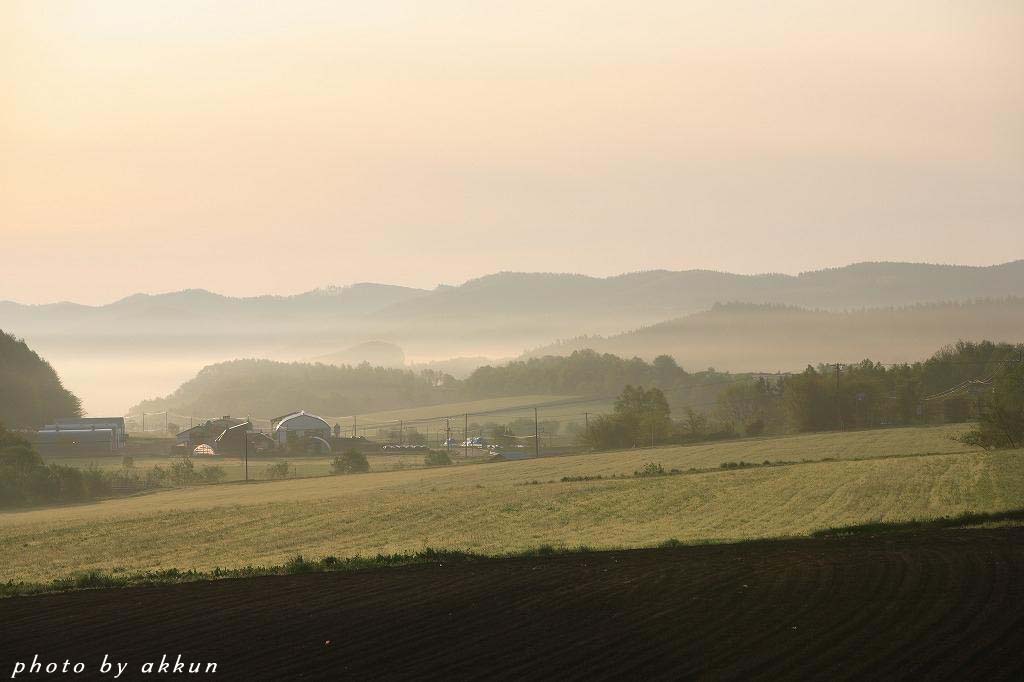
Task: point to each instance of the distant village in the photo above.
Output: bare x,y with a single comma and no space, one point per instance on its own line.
297,433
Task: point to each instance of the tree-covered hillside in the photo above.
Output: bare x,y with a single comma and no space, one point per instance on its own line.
263,388
31,393
869,393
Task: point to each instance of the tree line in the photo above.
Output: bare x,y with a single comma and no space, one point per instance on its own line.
868,394
829,397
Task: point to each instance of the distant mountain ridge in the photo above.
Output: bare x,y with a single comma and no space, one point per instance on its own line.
632,298
929,280
354,300
493,316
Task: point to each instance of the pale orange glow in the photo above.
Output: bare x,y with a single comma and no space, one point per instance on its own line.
276,147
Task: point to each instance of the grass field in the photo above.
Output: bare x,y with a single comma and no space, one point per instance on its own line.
888,475
234,468
513,404
430,420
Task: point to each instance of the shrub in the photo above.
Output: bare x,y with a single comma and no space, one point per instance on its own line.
213,474
278,470
350,462
576,479
650,469
437,458
298,564
157,477
128,462
127,480
182,472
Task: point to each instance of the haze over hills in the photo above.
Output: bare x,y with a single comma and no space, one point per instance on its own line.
742,337
660,292
506,307
375,353
145,345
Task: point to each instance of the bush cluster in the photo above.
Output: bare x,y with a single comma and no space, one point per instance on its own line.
437,458
350,462
278,470
650,469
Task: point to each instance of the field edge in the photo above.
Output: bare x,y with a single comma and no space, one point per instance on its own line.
99,579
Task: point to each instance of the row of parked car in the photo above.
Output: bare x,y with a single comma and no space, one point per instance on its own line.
475,442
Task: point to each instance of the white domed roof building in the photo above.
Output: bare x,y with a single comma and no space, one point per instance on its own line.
291,428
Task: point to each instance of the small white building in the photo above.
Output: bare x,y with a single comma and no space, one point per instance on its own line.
292,428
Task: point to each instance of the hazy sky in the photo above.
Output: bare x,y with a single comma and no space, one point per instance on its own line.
252,147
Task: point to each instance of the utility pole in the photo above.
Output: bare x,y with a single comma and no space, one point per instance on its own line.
355,432
465,435
165,421
245,449
586,423
143,422
401,432
448,433
839,410
536,434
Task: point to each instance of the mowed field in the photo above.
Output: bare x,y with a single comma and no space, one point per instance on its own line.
887,475
234,469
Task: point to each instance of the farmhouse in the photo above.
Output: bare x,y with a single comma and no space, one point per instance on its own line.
294,427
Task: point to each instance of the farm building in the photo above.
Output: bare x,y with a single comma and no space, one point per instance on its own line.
294,427
50,439
230,442
205,433
81,434
115,424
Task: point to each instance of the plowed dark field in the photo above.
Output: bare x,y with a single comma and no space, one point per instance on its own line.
932,605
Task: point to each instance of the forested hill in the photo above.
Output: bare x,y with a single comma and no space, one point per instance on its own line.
263,388
746,337
31,393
